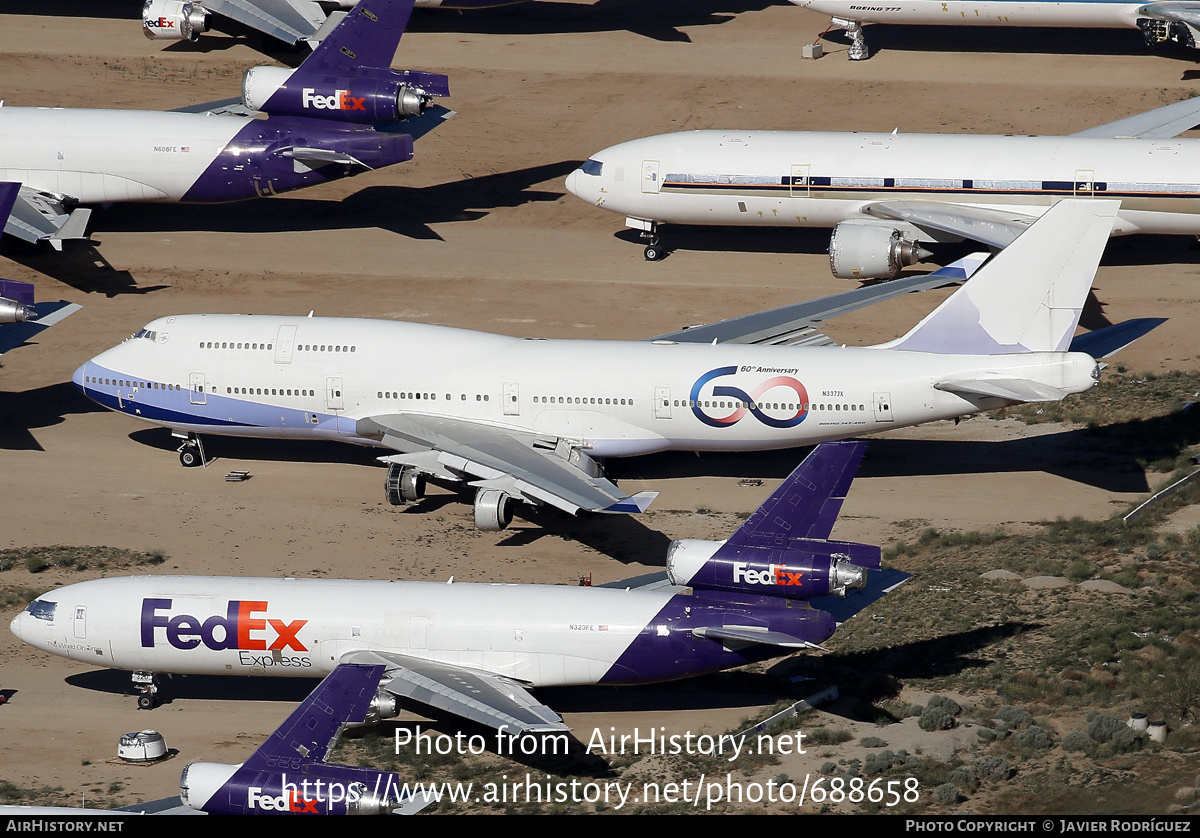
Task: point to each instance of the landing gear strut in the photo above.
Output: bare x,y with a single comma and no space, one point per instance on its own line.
858,42
191,453
649,234
146,683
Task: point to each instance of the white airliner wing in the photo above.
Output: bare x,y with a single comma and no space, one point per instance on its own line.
36,216
536,469
288,20
1161,123
479,696
794,325
995,228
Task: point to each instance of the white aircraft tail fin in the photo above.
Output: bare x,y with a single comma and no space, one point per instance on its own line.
1029,297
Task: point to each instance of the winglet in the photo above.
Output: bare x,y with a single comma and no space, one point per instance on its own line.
634,504
1030,296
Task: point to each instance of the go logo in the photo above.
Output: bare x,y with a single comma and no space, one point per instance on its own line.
751,399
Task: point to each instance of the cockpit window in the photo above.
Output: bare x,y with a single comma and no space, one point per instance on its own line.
41,609
145,334
592,167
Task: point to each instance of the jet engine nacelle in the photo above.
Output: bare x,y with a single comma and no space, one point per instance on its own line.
373,95
317,789
806,568
867,249
173,20
493,510
13,312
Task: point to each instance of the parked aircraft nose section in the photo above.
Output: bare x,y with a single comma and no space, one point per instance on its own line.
586,182
79,377
33,625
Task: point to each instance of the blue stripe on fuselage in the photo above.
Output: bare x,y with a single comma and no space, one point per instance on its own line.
171,407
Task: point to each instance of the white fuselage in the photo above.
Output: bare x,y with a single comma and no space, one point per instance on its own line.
299,377
101,156
811,179
1083,14
540,635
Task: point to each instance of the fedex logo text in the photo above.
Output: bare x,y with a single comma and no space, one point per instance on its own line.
775,574
162,23
238,629
304,796
341,100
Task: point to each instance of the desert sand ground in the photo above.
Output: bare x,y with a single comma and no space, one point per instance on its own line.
477,231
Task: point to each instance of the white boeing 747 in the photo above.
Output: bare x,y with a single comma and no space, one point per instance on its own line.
531,419
1165,20
885,194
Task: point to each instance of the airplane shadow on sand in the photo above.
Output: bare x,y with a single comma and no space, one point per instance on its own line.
1019,40
41,408
862,677
660,21
403,210
1107,458
1121,251
81,266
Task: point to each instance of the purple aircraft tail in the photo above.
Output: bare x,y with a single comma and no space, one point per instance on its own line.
807,504
349,77
368,37
311,731
288,774
783,549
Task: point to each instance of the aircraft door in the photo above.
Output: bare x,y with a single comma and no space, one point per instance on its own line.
418,632
333,394
662,402
651,181
285,342
512,398
883,407
80,622
1085,183
196,388
798,183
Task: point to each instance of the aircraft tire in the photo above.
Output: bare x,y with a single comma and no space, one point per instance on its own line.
653,253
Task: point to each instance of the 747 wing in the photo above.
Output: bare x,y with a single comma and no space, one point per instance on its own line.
510,464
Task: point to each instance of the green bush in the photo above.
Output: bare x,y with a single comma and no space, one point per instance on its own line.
1014,717
945,703
1102,728
935,718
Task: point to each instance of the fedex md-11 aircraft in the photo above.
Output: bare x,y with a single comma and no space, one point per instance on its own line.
475,649
1165,20
886,194
341,112
531,420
